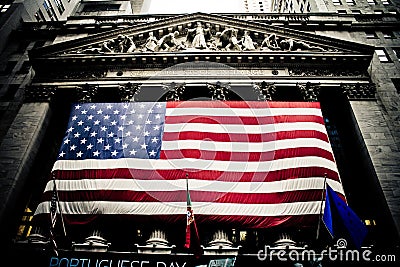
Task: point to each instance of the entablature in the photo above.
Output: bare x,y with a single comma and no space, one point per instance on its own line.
262,90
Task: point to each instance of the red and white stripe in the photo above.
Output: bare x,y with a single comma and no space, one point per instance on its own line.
254,164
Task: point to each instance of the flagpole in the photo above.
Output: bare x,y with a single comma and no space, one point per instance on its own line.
320,209
59,207
187,184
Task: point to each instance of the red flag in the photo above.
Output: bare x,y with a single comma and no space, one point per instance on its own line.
191,226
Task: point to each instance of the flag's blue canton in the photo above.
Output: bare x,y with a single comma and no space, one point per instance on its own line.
111,131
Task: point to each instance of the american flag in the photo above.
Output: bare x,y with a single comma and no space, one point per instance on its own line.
251,164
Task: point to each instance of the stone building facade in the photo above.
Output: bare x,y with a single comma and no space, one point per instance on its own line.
343,54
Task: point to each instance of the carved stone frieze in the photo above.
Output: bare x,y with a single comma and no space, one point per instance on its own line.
201,37
309,91
89,74
265,90
86,92
39,93
219,91
128,91
174,91
326,72
359,91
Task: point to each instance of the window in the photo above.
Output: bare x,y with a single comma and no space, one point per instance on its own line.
383,57
50,10
24,68
8,68
11,91
396,82
396,51
101,7
40,16
350,2
378,12
371,35
371,2
336,2
59,6
385,2
356,11
38,44
4,8
388,35
26,225
341,11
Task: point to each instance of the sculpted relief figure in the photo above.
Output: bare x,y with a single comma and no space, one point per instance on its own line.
228,39
121,44
198,36
169,42
151,43
247,42
292,45
270,42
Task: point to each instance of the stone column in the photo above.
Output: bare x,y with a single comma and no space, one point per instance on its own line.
18,152
379,143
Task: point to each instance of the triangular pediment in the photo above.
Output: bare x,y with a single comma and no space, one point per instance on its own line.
200,33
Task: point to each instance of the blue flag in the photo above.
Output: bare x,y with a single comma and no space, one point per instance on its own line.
341,221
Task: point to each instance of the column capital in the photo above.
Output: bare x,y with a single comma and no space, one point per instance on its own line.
219,90
265,90
309,91
86,92
128,91
174,91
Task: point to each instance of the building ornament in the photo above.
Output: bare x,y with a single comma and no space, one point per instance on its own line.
78,75
174,91
86,92
309,91
128,92
300,71
201,38
359,91
264,90
219,91
39,93
95,242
